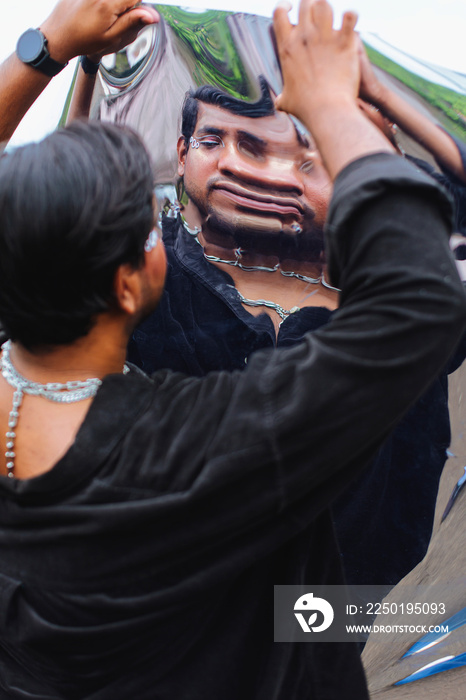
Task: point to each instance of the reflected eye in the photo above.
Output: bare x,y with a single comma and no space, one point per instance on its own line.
211,141
250,150
307,167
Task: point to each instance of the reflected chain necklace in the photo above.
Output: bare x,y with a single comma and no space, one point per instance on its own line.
194,232
69,392
283,313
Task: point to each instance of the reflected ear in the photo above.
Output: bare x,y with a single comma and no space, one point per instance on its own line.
182,149
127,288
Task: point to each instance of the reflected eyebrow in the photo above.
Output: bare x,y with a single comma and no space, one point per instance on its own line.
252,137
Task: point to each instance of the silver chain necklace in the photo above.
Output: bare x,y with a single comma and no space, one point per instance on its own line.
283,313
194,232
69,392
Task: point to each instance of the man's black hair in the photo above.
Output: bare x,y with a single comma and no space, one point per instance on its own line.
263,107
72,209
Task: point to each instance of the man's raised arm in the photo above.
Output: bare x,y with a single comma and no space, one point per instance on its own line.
74,28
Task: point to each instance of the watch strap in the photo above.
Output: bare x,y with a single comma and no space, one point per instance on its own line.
47,65
88,66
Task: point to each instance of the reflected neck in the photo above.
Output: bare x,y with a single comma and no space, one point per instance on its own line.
257,252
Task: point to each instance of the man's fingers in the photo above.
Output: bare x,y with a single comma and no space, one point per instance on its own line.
131,20
148,15
281,23
121,6
322,16
348,23
305,13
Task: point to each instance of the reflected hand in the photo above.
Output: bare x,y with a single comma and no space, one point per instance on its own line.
319,64
94,27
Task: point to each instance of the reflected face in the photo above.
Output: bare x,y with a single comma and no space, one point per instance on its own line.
253,175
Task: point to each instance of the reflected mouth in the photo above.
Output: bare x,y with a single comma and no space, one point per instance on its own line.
258,201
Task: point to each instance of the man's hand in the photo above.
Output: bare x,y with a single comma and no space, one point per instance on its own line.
94,27
318,63
321,75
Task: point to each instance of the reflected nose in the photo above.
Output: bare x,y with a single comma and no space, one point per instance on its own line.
276,174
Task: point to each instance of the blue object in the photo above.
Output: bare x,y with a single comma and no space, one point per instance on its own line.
439,666
431,638
459,485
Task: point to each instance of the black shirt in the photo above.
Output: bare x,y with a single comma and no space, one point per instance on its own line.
143,564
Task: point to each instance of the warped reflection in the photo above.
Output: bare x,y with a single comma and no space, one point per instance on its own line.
189,48
235,51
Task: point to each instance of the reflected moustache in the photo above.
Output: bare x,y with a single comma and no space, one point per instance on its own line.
258,200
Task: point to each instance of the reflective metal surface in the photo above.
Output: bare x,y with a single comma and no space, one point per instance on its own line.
186,49
145,84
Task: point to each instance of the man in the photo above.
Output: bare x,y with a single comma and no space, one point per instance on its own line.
140,560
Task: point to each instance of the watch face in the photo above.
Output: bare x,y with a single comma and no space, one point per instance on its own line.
30,45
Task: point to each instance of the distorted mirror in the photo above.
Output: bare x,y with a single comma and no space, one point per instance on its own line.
243,196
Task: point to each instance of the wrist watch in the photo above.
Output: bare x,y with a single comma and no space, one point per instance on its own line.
88,66
32,50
